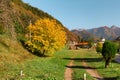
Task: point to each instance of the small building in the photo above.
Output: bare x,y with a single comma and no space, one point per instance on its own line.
71,44
82,45
102,40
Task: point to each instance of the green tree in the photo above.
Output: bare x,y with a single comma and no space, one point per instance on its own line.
45,37
108,52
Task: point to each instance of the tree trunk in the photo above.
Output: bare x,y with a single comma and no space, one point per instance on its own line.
43,53
107,62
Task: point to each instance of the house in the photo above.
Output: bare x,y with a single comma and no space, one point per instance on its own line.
102,40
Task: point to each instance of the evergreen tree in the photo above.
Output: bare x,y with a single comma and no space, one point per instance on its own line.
108,52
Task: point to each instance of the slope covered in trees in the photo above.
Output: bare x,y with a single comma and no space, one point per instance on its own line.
15,16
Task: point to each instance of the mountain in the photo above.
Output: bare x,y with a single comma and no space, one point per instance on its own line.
109,33
85,35
116,30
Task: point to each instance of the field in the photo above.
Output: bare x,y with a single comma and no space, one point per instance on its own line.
96,62
53,68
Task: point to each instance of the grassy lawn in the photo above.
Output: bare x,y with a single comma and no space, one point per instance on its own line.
38,68
53,68
112,72
95,60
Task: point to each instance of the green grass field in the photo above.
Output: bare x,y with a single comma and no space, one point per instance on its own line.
95,60
53,68
37,68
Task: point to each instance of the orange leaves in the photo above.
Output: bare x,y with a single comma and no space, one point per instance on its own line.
47,36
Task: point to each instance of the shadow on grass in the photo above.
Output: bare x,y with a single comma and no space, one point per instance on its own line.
89,60
36,52
40,77
81,67
109,78
77,79
85,59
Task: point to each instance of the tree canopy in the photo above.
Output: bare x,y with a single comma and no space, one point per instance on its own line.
109,50
45,37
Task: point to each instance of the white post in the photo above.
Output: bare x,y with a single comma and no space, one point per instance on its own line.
21,73
85,76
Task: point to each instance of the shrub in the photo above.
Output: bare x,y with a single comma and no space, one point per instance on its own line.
108,52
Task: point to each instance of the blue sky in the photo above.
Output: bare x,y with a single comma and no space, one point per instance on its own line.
81,13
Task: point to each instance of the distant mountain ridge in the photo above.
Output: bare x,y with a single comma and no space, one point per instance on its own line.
109,33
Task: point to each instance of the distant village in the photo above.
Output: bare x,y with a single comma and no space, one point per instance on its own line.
74,45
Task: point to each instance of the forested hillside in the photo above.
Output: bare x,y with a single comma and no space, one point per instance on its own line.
15,17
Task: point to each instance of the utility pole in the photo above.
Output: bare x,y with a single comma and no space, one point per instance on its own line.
30,30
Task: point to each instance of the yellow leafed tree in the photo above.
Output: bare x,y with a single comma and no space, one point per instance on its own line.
45,37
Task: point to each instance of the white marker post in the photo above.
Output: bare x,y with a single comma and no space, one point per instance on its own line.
85,76
21,73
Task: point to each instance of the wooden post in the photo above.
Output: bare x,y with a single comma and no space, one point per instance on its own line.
30,31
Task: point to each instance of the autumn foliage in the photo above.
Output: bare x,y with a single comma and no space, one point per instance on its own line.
45,37
99,47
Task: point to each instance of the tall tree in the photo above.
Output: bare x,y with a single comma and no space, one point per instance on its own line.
46,36
109,50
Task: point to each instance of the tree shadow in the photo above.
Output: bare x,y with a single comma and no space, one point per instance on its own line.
85,59
40,76
77,79
113,61
80,67
36,53
109,78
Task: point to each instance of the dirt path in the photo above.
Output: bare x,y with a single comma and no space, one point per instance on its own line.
69,71
92,72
